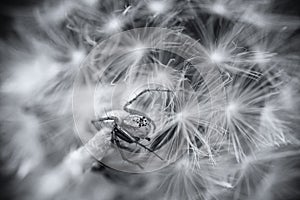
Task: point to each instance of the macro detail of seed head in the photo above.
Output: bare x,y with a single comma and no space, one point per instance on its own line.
149,99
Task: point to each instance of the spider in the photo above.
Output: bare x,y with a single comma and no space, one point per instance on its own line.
131,126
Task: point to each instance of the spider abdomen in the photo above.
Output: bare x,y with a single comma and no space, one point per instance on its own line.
138,125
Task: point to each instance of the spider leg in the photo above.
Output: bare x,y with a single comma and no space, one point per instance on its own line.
150,150
94,122
117,142
142,93
132,111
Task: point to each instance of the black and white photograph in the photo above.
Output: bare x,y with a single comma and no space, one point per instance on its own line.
149,100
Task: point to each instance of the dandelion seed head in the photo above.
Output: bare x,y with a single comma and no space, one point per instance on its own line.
138,50
90,2
223,114
77,57
187,114
262,57
158,7
288,99
267,111
219,9
232,109
113,25
163,77
57,13
139,46
21,81
180,116
183,165
218,57
255,18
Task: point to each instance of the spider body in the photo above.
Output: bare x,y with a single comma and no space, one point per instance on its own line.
129,126
138,126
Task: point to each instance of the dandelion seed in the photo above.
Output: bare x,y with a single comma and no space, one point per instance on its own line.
77,57
272,127
158,7
22,81
219,9
138,50
113,25
232,109
90,2
218,57
262,57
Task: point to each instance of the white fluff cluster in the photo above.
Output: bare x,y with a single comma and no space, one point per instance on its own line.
230,121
